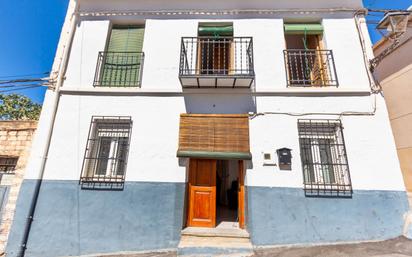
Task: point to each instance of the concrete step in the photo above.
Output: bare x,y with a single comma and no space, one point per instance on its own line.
213,246
215,232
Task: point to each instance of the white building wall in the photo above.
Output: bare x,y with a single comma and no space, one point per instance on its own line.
342,38
214,5
89,39
155,117
370,148
162,42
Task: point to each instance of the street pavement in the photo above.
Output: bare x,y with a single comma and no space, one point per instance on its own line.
398,247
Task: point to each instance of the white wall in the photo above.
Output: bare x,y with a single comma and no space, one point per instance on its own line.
370,148
342,38
152,157
162,41
218,5
369,144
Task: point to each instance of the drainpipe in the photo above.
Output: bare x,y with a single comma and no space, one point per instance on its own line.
55,104
367,55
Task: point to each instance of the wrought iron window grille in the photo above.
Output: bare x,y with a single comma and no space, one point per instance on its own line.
8,164
324,160
119,69
105,158
310,68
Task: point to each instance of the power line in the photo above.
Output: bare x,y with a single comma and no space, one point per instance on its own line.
22,85
388,10
22,88
25,75
22,80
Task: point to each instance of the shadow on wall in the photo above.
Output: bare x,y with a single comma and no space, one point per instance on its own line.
241,101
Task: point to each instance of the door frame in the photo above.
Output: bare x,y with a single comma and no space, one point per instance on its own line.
241,213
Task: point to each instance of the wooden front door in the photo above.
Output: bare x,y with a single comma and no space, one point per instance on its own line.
202,193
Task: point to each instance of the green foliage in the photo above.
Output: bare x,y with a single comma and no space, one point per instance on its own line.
18,107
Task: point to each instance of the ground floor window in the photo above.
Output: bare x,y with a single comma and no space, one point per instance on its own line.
106,152
8,164
324,161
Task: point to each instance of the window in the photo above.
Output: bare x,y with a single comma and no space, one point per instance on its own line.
106,152
215,48
308,62
324,161
121,64
8,164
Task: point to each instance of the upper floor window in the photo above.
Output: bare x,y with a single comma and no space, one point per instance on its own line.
308,63
215,58
121,64
215,48
8,164
324,161
106,152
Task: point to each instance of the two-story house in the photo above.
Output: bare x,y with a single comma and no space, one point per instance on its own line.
175,118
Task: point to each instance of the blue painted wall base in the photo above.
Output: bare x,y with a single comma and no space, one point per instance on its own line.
286,216
70,221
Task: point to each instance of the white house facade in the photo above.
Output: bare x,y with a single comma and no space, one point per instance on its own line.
174,114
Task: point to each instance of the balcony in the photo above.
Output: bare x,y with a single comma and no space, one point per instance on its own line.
310,68
216,62
119,69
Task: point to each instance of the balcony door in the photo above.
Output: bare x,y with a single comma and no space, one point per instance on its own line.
123,57
215,49
307,63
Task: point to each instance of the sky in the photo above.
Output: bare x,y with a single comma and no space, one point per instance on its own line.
30,31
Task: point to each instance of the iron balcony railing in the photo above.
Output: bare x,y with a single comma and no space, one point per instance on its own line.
119,69
217,58
310,68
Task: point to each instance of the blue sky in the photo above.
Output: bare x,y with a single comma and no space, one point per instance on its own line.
31,30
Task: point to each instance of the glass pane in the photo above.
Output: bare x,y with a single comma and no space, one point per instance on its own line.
326,161
121,156
103,155
308,169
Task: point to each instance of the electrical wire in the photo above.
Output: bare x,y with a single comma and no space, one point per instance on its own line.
22,85
22,81
25,75
22,88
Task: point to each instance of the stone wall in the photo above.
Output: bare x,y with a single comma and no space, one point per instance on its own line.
15,141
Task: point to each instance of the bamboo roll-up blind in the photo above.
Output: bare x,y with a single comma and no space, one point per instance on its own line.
214,133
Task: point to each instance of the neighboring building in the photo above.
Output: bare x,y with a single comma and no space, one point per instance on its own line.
15,142
395,75
254,115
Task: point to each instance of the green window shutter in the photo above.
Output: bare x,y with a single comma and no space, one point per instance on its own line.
123,60
126,39
308,28
215,30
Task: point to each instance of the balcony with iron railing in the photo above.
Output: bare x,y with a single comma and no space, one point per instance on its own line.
216,62
119,69
310,68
